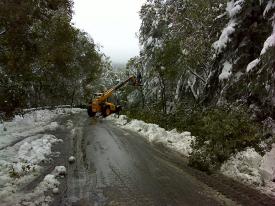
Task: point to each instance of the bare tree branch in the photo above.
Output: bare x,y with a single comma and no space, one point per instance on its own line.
197,75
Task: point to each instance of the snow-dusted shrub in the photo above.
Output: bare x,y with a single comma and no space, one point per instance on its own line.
221,132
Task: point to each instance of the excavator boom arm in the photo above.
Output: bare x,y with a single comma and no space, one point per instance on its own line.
109,92
100,105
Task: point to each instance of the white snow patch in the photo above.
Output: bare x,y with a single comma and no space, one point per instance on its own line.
270,42
71,159
251,168
268,166
50,181
60,171
252,64
233,8
52,126
36,151
180,142
69,124
225,36
149,41
270,5
24,146
55,190
31,123
19,164
226,72
244,166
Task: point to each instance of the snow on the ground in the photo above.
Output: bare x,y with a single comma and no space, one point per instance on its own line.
36,151
30,124
24,144
247,166
244,166
250,167
180,142
40,195
60,170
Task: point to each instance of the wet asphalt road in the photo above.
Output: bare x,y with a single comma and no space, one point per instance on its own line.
118,167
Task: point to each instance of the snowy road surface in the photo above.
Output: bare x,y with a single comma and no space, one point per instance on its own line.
113,165
117,167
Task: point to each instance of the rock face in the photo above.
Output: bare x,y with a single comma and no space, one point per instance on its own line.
244,67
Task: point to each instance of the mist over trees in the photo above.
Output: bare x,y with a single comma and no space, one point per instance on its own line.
44,59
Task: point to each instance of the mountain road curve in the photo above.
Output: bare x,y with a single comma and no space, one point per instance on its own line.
119,167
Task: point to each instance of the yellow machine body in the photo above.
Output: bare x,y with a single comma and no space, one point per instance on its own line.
100,105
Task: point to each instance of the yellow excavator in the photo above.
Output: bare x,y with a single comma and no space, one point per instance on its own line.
100,104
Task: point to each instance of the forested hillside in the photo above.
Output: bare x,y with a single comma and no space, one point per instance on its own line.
44,59
201,51
208,67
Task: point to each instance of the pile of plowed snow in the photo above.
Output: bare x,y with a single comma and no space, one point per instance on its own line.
247,166
251,168
180,142
25,143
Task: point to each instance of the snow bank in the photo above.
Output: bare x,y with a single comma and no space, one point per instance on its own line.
247,166
31,123
38,196
36,151
180,142
253,169
20,164
244,166
268,165
24,145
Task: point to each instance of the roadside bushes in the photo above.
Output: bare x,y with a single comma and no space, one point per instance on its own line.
220,132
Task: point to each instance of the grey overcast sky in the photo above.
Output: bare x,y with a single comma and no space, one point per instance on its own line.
112,23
